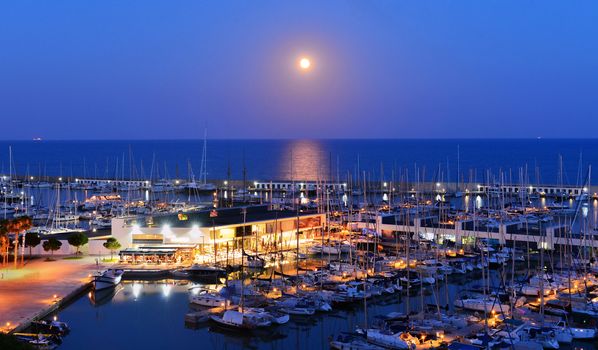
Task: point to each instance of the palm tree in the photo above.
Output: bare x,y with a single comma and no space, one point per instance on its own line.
25,226
14,227
4,241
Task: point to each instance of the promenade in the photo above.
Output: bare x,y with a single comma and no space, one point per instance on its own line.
39,286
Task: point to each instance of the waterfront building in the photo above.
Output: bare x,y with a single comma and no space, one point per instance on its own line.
537,231
257,229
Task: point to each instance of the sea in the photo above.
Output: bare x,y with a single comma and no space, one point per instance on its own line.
150,314
536,161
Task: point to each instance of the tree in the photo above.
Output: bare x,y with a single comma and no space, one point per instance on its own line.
51,245
25,225
4,241
112,244
13,227
32,240
18,226
77,240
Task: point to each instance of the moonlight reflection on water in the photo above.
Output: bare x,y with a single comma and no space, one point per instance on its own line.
305,160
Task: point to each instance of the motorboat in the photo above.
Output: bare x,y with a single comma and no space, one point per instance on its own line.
387,339
108,279
483,305
254,262
207,299
201,272
352,342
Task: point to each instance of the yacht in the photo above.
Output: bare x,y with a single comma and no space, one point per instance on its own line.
209,300
201,272
108,279
484,305
390,340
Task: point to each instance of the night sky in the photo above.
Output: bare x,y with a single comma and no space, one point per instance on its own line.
118,69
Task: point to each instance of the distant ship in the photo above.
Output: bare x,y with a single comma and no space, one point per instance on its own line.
37,139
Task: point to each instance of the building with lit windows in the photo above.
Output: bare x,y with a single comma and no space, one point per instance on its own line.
213,232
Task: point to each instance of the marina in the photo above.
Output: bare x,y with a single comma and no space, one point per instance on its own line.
288,175
440,268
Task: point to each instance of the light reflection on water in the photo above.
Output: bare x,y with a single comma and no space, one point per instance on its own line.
304,160
150,315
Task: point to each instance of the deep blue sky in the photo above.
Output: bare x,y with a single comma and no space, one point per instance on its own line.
164,69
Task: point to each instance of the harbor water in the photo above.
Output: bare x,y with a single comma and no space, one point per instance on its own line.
150,315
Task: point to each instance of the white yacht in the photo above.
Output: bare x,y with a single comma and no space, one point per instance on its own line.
480,304
107,279
209,300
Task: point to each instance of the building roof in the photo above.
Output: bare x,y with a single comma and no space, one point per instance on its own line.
226,216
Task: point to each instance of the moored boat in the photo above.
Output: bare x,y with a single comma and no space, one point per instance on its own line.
108,279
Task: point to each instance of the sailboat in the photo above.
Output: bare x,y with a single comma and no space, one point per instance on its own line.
203,184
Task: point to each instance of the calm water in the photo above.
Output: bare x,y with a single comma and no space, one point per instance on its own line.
151,316
305,159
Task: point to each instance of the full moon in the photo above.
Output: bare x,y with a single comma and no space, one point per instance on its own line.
304,63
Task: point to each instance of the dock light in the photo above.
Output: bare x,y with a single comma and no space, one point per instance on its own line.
31,178
55,318
89,275
55,296
303,286
385,184
225,183
7,324
221,304
59,179
438,184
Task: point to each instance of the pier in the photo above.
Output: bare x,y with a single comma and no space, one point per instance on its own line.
40,287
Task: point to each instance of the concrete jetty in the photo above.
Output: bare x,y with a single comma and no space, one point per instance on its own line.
40,287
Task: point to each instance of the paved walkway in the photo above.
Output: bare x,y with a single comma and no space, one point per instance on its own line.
38,285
